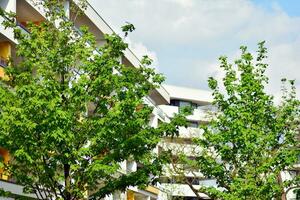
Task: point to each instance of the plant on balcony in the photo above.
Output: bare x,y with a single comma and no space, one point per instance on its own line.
250,145
69,113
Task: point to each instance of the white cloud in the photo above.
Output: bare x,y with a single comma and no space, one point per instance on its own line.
141,50
184,3
188,36
284,61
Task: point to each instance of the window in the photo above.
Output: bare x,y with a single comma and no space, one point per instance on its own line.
185,104
194,105
174,102
182,104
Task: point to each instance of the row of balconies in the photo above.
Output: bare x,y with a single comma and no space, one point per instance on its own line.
27,11
5,55
163,111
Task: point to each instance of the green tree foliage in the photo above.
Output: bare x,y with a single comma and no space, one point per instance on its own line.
250,140
69,116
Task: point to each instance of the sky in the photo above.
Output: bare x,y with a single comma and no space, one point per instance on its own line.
185,38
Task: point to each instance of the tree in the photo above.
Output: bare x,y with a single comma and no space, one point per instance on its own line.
250,143
70,116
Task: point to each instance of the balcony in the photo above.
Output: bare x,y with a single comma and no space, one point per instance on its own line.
181,190
15,189
3,62
199,114
160,96
157,110
189,132
23,28
178,148
27,13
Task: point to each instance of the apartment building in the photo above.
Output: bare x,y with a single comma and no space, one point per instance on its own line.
175,175
166,101
27,11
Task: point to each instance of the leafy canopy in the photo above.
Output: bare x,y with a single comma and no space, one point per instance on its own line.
250,141
71,111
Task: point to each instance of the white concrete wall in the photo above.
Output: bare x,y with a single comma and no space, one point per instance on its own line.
8,5
15,189
184,93
35,4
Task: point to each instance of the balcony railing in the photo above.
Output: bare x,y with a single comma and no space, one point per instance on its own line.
3,62
23,28
159,111
77,30
200,113
12,187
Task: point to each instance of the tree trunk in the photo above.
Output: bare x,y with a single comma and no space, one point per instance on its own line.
67,181
283,194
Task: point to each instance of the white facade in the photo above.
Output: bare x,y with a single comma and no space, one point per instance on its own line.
165,100
200,100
